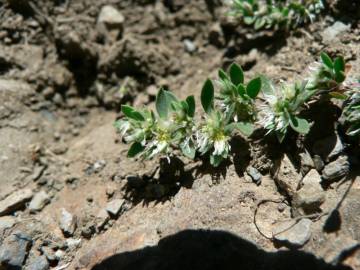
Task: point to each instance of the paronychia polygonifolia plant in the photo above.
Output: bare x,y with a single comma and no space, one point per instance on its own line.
276,14
233,109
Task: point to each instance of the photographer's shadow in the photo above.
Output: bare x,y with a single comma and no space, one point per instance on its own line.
212,250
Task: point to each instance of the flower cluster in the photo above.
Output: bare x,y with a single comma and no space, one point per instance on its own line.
276,14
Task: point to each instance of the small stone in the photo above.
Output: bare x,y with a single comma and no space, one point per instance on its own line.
336,169
48,253
111,17
115,206
328,147
318,163
38,263
189,45
331,32
88,230
72,243
254,174
39,201
6,222
14,249
67,222
306,162
38,171
135,181
59,254
99,165
101,219
110,191
293,233
286,176
152,90
15,201
311,195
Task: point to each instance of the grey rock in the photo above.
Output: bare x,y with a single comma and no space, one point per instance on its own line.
336,169
48,253
14,249
328,147
254,174
72,243
59,254
286,176
189,45
88,230
101,219
67,222
38,263
39,201
99,165
306,162
331,32
15,201
6,222
293,233
111,17
311,195
114,207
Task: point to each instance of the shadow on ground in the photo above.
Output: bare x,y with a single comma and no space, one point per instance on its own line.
210,250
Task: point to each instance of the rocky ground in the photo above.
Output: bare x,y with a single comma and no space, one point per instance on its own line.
69,197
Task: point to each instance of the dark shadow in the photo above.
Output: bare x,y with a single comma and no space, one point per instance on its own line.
212,250
333,222
169,177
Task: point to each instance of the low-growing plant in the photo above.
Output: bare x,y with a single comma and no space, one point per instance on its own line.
152,134
327,74
282,106
215,132
351,111
284,14
234,109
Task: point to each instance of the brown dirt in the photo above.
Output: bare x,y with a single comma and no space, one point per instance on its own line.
59,97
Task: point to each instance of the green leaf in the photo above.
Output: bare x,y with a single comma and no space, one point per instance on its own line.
241,90
253,87
244,127
340,76
164,99
268,87
135,149
188,151
299,125
190,100
280,134
325,58
236,74
339,64
131,113
207,96
259,23
216,160
162,104
338,95
223,75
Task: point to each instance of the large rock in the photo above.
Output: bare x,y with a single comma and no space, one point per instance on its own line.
38,263
336,169
293,233
311,195
286,176
14,249
15,201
